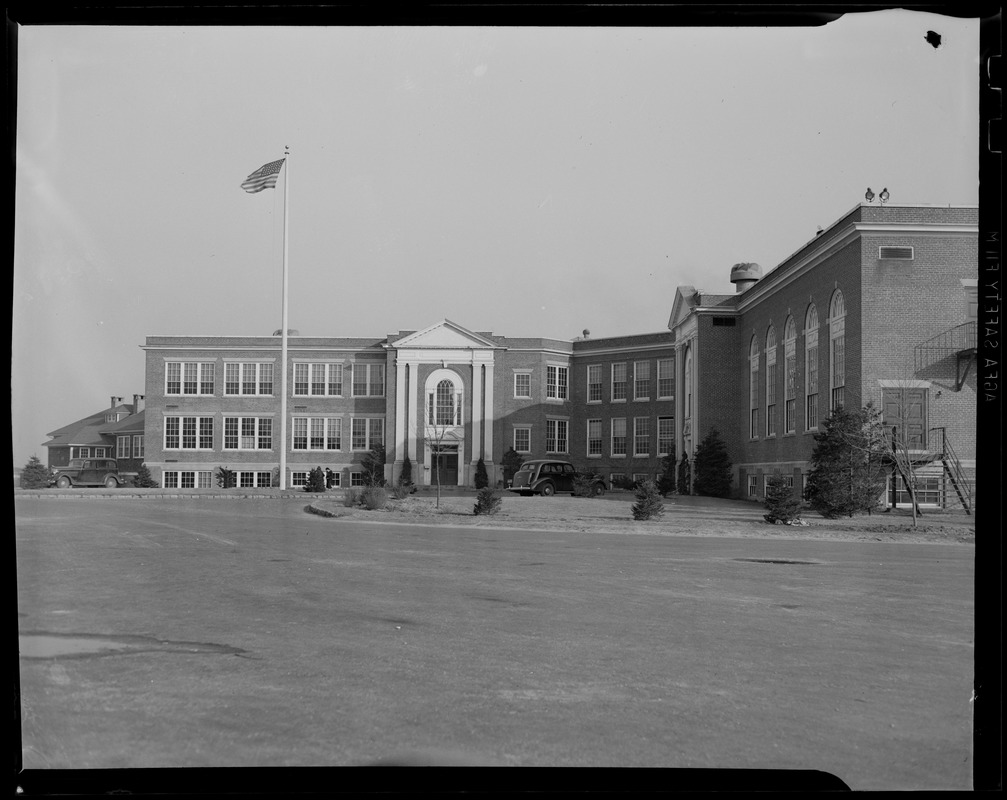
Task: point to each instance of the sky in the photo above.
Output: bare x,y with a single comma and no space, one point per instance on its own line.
526,181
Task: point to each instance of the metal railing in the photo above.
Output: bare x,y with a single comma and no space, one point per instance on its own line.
958,339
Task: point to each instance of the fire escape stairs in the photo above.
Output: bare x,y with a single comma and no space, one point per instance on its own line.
960,341
954,472
906,460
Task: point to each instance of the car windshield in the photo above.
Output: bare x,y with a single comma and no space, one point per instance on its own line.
528,466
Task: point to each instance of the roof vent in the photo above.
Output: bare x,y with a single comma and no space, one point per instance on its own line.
895,253
745,275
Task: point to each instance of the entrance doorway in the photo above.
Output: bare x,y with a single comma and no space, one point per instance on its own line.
445,468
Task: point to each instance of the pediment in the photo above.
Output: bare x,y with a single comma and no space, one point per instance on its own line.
685,301
444,335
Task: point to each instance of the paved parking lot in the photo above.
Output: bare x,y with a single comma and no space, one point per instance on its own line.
249,633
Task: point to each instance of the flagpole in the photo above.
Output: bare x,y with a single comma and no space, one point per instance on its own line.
283,331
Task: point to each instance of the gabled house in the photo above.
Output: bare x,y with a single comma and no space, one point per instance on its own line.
114,432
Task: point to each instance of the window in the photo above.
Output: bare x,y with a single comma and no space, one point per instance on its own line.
444,404
317,380
138,446
594,437
368,380
356,479
640,478
556,382
753,485
619,436
771,382
250,480
122,448
248,378
188,433
248,433
665,378
188,377
837,350
522,439
790,379
298,478
556,436
641,436
619,387
594,383
665,435
522,384
616,478
366,433
687,379
317,433
186,480
971,289
811,369
753,384
929,491
641,380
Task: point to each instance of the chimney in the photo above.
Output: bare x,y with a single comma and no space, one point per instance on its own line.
744,276
115,401
137,403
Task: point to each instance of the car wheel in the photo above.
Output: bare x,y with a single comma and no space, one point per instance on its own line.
598,490
547,490
111,483
63,482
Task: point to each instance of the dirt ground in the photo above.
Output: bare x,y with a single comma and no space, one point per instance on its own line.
683,516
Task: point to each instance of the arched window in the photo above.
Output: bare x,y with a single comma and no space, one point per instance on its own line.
771,382
687,380
444,405
837,350
790,376
811,369
753,367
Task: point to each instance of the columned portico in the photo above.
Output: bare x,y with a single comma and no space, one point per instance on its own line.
443,403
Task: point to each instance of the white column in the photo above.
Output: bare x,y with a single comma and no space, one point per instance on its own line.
400,410
477,410
488,415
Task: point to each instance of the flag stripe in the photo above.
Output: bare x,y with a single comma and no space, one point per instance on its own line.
263,178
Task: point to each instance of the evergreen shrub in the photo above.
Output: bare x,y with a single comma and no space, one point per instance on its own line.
649,503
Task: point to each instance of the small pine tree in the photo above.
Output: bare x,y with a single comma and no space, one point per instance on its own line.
848,463
487,501
649,503
373,466
143,479
35,474
226,478
316,480
684,475
511,463
406,475
713,467
666,483
782,504
482,480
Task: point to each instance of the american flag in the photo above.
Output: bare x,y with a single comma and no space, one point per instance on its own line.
263,178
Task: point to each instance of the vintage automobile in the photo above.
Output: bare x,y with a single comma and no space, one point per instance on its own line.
89,472
546,476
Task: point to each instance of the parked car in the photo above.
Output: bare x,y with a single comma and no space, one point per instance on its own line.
546,476
89,472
